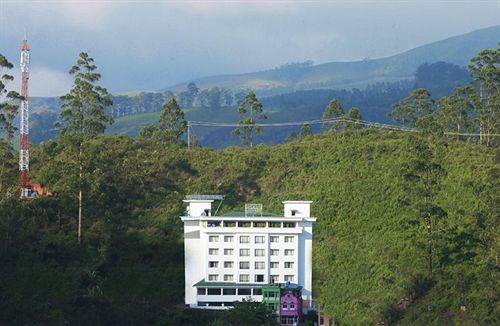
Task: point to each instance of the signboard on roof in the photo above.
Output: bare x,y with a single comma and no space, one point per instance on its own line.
253,209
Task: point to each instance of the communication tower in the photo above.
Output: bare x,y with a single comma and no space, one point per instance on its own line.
25,188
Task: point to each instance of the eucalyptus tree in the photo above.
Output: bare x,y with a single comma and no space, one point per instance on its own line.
252,112
354,115
83,115
334,110
9,101
415,106
305,131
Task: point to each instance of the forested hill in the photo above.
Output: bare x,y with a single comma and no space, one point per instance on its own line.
370,189
358,74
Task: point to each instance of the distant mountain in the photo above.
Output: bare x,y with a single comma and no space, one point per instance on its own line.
357,74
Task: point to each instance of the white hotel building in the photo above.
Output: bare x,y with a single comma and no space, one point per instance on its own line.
232,256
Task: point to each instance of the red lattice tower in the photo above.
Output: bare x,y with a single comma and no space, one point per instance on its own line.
24,176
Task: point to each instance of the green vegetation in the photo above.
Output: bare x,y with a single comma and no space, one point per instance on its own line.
370,251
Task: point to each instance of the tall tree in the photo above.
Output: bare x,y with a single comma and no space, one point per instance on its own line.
415,106
485,72
251,111
83,115
334,110
9,101
453,112
172,123
355,116
305,131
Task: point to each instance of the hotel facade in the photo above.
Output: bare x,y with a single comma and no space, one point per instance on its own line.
237,255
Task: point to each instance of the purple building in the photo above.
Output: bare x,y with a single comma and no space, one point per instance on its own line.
291,305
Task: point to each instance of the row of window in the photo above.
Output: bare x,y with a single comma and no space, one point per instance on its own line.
244,278
229,291
249,224
246,264
246,252
246,238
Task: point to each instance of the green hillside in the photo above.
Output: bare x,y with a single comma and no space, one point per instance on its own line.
369,242
359,74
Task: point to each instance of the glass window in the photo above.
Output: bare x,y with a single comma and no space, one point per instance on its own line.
288,278
244,291
228,251
274,224
288,264
259,239
244,239
202,291
275,264
284,306
244,224
257,291
292,306
213,238
259,278
260,265
244,252
228,238
288,239
213,277
274,238
259,252
244,265
229,291
213,264
228,264
245,278
229,224
275,278
288,224
214,291
213,251
275,252
228,278
212,224
259,224
288,252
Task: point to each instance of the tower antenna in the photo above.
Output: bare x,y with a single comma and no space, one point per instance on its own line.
25,188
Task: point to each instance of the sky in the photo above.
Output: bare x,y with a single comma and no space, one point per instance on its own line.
149,45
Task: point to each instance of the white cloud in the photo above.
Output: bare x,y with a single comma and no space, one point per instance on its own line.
84,13
43,82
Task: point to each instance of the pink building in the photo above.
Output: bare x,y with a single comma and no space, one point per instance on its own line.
291,305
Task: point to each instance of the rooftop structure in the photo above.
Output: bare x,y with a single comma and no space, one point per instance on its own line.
234,256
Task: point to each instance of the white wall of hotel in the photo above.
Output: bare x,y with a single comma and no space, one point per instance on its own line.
196,245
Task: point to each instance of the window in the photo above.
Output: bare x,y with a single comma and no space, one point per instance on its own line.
275,264
288,278
259,252
288,224
257,291
202,291
228,264
274,238
213,264
213,251
244,265
284,306
213,238
244,224
259,278
259,239
229,224
260,265
274,224
244,239
229,291
213,277
245,278
244,252
212,224
292,306
275,252
214,291
288,239
288,264
228,238
275,278
228,252
228,278
294,212
259,224
244,291
288,252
